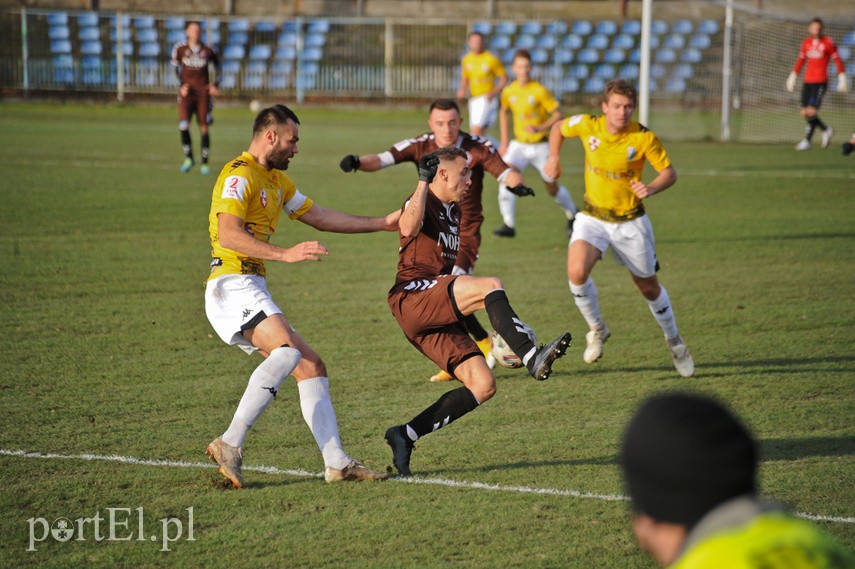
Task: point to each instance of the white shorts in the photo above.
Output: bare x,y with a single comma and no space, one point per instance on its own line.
631,241
233,304
520,155
483,112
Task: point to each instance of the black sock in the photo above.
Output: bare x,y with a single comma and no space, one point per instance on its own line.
450,407
819,123
474,327
206,145
812,122
186,144
507,324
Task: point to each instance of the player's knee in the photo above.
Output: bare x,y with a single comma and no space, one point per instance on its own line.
183,125
484,388
492,283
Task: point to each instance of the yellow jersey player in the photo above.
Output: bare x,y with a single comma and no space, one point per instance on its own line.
250,194
616,148
534,111
484,76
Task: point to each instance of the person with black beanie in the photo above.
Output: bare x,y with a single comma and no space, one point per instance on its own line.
690,469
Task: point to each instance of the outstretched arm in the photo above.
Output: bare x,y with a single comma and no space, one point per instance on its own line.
324,219
353,162
232,236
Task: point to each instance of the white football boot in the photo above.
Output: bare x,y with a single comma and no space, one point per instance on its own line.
682,358
595,340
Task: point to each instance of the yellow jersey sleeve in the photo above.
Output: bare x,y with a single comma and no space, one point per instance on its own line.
481,70
530,105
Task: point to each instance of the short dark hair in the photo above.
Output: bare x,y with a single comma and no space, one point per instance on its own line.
277,114
524,53
820,22
621,87
476,33
444,105
189,23
450,153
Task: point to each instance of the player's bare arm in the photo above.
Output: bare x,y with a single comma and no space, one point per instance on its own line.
504,130
664,180
464,85
553,163
232,236
554,118
413,216
324,219
503,81
353,162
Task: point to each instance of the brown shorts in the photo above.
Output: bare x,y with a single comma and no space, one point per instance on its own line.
432,323
194,103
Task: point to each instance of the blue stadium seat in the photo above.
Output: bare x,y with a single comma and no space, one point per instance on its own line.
500,42
557,27
144,22
89,34
508,56
533,28
635,55
257,67
60,46
605,71
588,55
683,26
482,27
290,26
59,33
210,24
506,28
674,41
280,81
629,71
87,19
91,70
260,52
311,54
211,37
844,52
241,38
147,72
547,41
127,48
850,69
578,71
539,56
594,85
149,49
665,55
57,19
848,39
623,41
265,26
654,42
709,27
253,82
582,27
228,81
606,27
682,71
614,55
287,38
230,66
125,20
234,51
319,26
91,48
598,41
631,27
282,67
239,25
175,23
525,41
675,85
700,41
315,39
286,53
658,71
691,55
145,35
570,85
63,69
562,55
572,41
175,36
659,27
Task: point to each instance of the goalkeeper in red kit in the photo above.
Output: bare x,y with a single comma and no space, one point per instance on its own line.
816,50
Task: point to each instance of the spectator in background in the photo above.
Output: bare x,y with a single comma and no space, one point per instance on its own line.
484,76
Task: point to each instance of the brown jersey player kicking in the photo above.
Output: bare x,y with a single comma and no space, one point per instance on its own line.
430,303
444,122
191,59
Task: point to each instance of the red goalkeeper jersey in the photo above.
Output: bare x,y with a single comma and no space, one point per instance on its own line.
816,52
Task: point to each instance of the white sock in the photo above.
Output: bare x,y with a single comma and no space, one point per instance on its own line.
260,391
507,205
588,302
565,202
664,314
320,416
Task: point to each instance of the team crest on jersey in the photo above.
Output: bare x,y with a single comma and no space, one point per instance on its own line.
593,143
630,152
263,197
531,100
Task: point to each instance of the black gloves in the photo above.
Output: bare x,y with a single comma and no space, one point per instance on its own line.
521,191
428,165
349,163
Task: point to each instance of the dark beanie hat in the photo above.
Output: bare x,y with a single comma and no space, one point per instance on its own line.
684,454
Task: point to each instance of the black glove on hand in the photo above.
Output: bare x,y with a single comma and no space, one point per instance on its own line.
521,191
428,165
349,163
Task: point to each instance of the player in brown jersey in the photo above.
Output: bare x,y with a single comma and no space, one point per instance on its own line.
444,121
191,59
430,303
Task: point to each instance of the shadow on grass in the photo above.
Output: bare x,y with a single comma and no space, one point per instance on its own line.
760,238
598,461
796,449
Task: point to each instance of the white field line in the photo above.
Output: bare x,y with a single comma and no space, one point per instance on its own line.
411,480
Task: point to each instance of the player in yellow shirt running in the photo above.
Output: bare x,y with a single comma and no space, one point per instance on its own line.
250,195
534,111
612,215
484,76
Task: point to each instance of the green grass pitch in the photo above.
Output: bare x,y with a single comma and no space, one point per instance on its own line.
107,351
